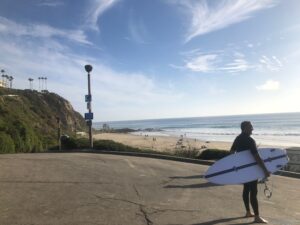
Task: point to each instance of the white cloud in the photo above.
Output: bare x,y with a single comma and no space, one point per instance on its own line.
50,3
198,61
238,65
270,63
202,63
8,27
269,85
137,31
96,9
205,18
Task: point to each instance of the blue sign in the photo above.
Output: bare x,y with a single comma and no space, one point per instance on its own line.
88,116
88,98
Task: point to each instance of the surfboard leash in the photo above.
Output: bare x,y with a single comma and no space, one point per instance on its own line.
267,190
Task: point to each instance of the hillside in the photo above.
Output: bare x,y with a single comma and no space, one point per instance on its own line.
28,120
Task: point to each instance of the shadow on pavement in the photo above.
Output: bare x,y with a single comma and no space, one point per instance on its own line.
202,185
226,220
189,177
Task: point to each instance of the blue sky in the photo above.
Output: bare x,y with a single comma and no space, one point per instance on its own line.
158,58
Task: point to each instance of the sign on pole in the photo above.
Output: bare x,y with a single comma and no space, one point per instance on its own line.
88,116
88,98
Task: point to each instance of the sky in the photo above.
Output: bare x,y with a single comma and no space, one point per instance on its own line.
159,58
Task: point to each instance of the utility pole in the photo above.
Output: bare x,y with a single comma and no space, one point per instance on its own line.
58,133
88,98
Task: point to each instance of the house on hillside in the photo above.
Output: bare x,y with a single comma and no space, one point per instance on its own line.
2,83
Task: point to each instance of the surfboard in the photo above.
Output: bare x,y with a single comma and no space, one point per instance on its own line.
241,167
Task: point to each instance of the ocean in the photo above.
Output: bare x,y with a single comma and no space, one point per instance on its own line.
280,129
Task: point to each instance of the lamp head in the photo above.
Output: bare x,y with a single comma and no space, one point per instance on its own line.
88,68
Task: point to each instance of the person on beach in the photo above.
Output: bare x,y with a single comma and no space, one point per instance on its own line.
241,143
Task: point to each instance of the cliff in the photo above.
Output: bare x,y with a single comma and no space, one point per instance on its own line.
28,120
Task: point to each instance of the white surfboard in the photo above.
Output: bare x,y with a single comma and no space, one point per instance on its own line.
241,167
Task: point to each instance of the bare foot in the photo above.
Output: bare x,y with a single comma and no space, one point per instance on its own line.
258,219
249,214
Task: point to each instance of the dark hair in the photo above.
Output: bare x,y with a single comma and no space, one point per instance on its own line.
244,124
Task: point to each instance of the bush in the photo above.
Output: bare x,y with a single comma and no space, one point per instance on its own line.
68,143
187,153
113,146
211,154
82,143
6,143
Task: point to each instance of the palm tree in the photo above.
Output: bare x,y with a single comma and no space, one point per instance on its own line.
6,80
30,83
42,78
46,83
39,83
10,81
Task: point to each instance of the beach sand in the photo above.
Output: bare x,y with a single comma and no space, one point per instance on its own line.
162,143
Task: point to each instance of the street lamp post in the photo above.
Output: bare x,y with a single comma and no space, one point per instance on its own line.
88,98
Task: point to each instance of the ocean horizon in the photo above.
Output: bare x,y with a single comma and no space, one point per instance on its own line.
275,129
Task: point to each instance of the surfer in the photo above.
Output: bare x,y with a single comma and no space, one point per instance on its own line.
241,143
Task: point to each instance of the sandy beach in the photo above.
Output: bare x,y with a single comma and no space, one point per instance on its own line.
162,143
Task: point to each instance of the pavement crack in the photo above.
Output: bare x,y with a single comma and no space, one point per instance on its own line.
141,207
120,199
136,191
156,210
146,217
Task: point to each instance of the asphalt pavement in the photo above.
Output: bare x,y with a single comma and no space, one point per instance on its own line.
86,189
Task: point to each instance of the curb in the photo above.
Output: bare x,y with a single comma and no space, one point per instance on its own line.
288,174
166,157
140,154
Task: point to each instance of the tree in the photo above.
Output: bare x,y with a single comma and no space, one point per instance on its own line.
30,83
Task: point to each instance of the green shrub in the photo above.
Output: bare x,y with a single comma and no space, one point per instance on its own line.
82,143
112,146
211,154
187,153
6,143
69,143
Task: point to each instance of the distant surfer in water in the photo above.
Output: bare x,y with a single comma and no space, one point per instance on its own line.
241,143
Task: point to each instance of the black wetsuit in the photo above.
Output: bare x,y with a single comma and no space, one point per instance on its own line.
241,143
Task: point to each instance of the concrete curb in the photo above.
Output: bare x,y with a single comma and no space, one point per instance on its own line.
166,157
140,154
